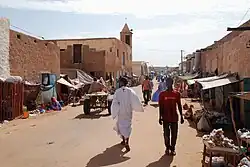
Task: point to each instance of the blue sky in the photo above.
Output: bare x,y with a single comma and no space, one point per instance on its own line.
161,27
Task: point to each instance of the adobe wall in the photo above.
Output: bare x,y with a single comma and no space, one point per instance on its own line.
113,47
91,60
95,61
232,55
4,48
29,57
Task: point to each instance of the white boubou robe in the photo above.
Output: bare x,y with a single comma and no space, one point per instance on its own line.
125,101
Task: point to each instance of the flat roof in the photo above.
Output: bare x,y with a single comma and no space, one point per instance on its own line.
85,39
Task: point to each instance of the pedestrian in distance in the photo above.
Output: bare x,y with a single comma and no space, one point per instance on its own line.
146,87
151,88
168,116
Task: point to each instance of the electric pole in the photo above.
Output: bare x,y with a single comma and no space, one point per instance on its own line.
182,61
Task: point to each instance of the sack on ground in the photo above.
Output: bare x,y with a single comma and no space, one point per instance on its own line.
203,124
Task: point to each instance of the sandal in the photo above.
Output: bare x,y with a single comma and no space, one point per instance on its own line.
122,143
127,148
167,152
173,153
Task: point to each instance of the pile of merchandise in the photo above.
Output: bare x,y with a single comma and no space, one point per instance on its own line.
217,139
244,134
244,162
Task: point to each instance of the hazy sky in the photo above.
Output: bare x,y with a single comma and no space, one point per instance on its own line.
161,27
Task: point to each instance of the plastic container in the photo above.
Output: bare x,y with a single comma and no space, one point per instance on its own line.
25,113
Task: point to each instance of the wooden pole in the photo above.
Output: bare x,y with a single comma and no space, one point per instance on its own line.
233,121
234,125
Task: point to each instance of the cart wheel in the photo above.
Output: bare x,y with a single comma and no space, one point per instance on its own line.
86,107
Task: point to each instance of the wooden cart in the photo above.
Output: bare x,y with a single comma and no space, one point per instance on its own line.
96,100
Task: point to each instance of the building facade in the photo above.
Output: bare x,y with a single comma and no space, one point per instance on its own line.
140,68
26,56
98,56
230,54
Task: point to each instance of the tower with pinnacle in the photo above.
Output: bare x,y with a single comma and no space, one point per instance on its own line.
126,35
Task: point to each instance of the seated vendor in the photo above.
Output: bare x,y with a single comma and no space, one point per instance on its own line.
55,105
96,87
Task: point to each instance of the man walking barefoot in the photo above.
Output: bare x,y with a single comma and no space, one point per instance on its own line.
168,116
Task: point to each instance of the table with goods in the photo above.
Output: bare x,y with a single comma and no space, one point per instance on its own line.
216,144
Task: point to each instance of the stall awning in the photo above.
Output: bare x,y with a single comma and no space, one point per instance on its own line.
218,82
65,82
192,81
188,77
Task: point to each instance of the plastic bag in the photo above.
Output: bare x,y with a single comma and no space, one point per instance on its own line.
203,124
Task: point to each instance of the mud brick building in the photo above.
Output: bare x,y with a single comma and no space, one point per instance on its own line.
26,56
100,57
229,54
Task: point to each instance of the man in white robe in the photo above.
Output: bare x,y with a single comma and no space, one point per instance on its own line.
125,101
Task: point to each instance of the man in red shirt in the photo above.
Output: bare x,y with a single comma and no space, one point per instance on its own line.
168,115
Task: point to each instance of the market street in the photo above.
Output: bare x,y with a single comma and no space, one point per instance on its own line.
71,139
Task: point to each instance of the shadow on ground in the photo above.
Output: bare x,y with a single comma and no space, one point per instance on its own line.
111,156
155,105
93,115
164,161
76,105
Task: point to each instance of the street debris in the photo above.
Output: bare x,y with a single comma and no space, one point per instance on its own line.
49,143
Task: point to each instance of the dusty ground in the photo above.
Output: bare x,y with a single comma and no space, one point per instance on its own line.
70,139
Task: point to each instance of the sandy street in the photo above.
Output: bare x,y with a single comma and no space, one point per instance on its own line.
71,139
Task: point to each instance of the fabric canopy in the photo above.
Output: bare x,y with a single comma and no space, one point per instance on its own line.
84,77
65,82
218,82
188,77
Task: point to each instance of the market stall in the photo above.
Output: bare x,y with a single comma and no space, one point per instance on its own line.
216,144
242,135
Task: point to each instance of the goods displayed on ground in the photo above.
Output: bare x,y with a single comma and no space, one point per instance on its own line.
189,113
214,119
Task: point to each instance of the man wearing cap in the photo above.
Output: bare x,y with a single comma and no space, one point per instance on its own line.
168,116
124,102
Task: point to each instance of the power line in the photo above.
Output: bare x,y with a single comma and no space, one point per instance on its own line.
27,32
162,50
244,16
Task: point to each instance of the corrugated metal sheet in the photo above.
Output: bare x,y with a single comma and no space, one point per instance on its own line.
218,83
192,81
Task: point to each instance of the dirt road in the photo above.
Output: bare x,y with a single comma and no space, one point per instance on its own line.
71,139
